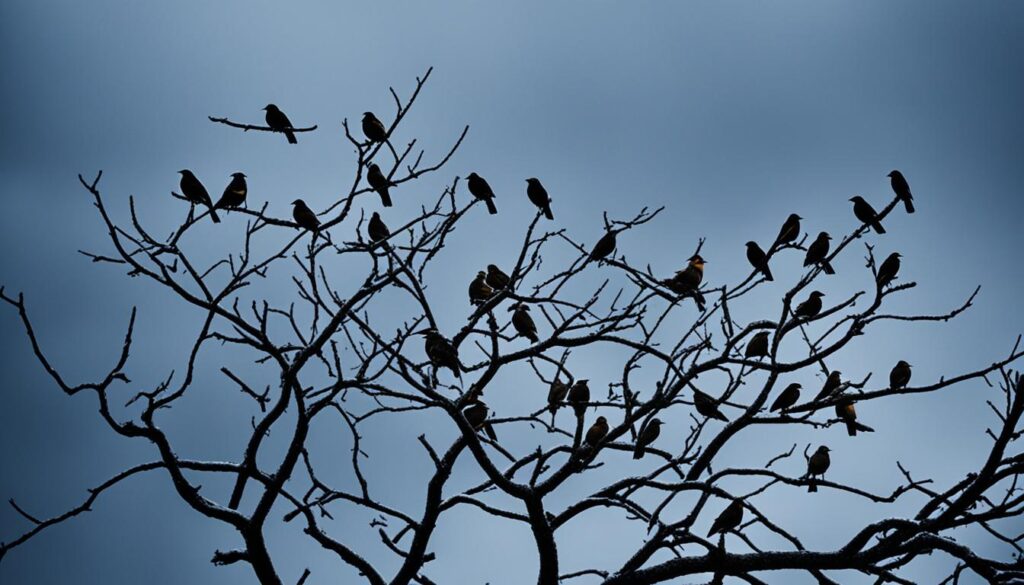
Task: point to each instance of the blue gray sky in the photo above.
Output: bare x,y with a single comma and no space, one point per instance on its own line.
730,114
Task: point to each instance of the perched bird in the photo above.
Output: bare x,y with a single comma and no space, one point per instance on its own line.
379,183
277,121
817,253
604,247
647,435
193,190
234,193
479,290
809,308
482,191
373,128
835,378
729,519
539,196
902,190
523,322
687,281
579,396
556,395
758,259
596,432
888,270
441,353
848,414
787,398
757,347
899,377
376,229
789,231
496,278
304,216
707,406
817,464
476,415
866,214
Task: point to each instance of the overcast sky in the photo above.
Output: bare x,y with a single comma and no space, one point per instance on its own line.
730,114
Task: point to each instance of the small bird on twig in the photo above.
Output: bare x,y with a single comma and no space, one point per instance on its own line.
377,230
707,406
373,128
596,432
647,435
539,196
482,191
787,398
832,383
866,214
789,231
759,260
579,396
523,322
496,278
556,395
809,308
730,518
441,353
193,190
902,189
277,121
817,464
234,194
817,253
757,347
305,217
604,246
687,281
379,183
899,377
848,414
888,270
479,290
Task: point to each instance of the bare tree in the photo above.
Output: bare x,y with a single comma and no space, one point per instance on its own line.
366,349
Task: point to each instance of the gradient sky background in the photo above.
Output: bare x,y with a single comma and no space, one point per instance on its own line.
732,114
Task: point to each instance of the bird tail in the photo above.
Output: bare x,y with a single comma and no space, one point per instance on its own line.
812,486
767,272
385,197
291,137
719,416
491,207
213,214
851,428
827,267
547,212
533,338
699,299
638,451
909,204
877,225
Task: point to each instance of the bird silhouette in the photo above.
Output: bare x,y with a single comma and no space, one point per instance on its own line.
479,290
579,396
379,183
902,189
757,347
596,432
730,518
866,214
687,281
556,395
817,464
789,231
787,398
496,278
604,246
809,308
817,253
888,270
848,414
377,230
538,195
647,435
304,216
707,406
482,191
759,260
278,122
373,128
234,194
899,377
523,322
832,383
441,353
193,190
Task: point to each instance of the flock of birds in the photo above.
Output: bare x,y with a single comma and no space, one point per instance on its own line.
685,283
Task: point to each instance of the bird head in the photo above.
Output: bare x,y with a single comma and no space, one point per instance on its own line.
856,198
696,260
270,108
824,449
368,115
817,293
481,274
654,422
794,217
825,236
375,215
374,168
473,176
601,421
184,172
903,364
752,244
532,181
298,202
796,385
238,175
893,173
492,268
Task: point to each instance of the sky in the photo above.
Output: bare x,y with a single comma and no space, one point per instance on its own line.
730,114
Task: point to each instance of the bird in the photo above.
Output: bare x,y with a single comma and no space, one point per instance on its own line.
809,308
304,216
899,377
373,128
817,464
496,278
482,191
234,194
817,253
647,435
687,281
377,230
523,322
832,383
787,398
758,345
902,189
193,190
866,214
476,415
556,394
379,183
888,270
848,414
759,260
578,397
604,246
596,432
278,122
440,352
539,196
729,519
789,231
707,406
479,290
